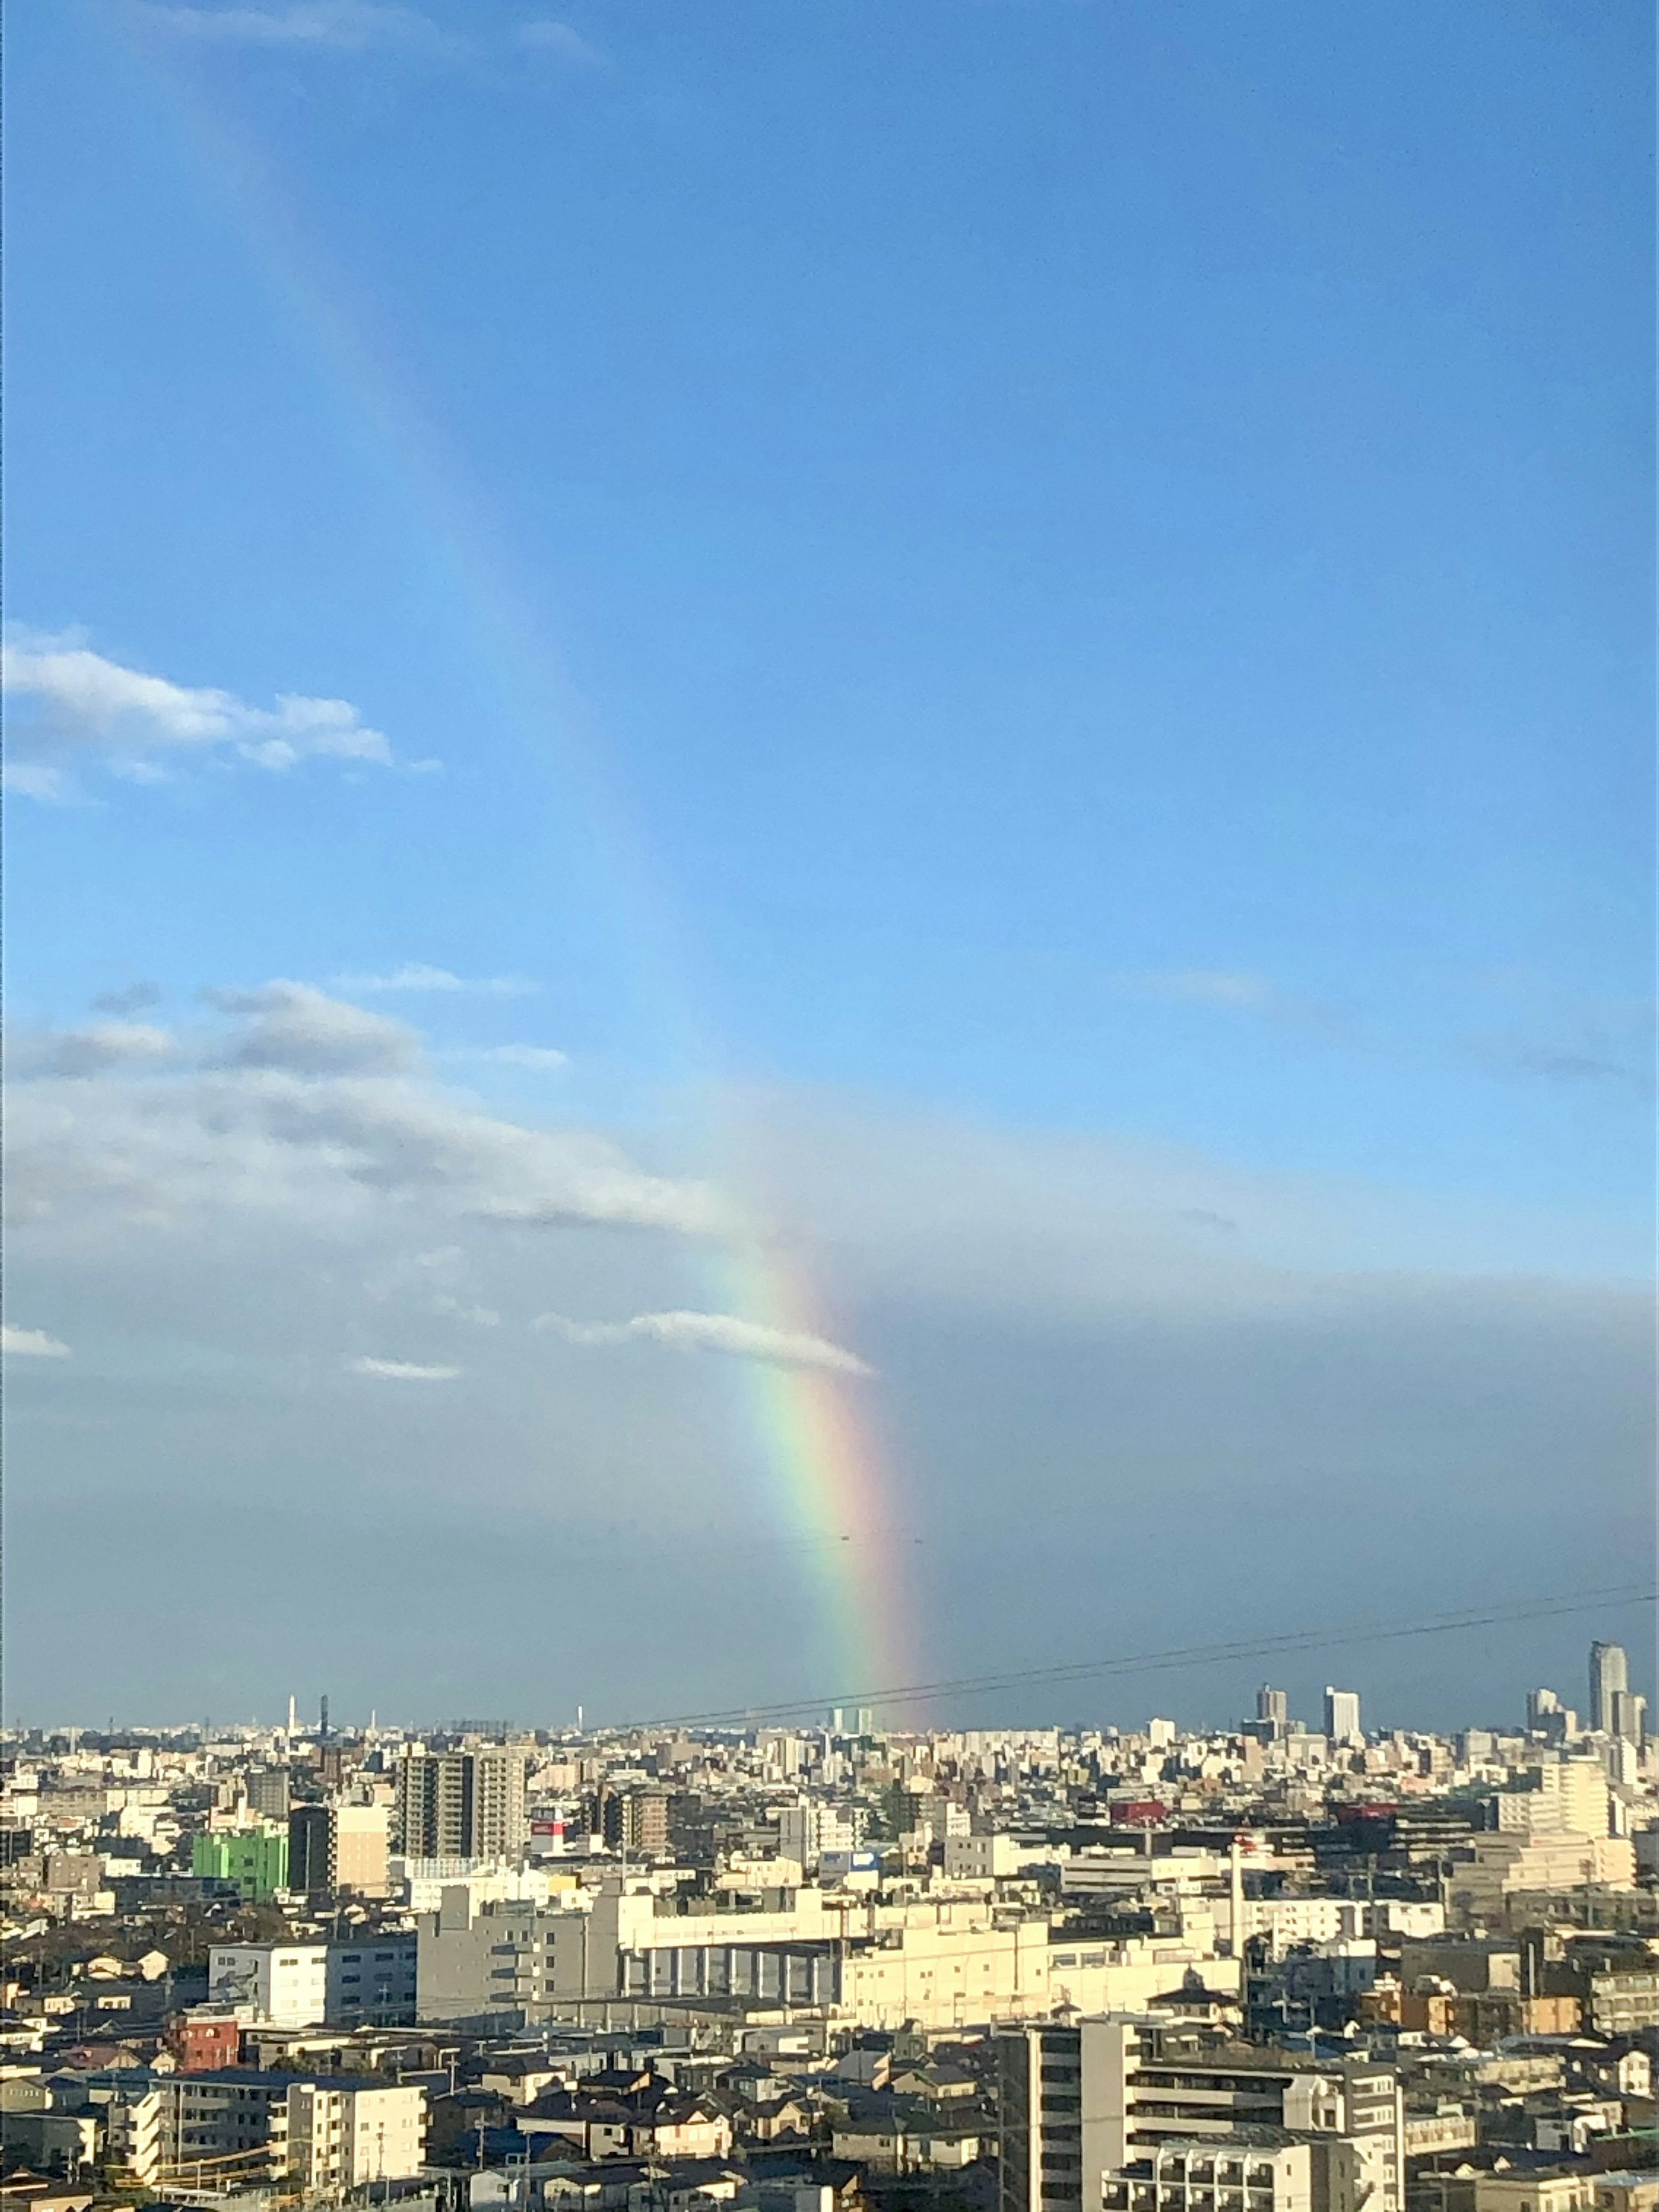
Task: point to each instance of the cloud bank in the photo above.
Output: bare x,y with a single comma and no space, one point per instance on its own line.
290,1258
301,1108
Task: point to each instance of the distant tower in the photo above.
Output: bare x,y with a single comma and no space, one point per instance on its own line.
1609,1677
1273,1706
1342,1715
1627,1715
322,1718
293,1717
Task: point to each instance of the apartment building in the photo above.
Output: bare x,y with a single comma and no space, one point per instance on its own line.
285,1985
239,2125
1086,2106
370,1982
338,1850
346,2133
1256,2170
462,1804
224,2129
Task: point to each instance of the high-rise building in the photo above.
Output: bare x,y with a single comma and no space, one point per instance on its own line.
1609,1677
1342,1715
637,1822
310,1851
807,1831
1273,1706
435,1805
462,1804
267,1792
1118,2110
361,1837
499,1828
1627,1715
337,1848
1548,1717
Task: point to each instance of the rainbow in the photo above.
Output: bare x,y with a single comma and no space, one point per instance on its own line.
820,1442
815,1431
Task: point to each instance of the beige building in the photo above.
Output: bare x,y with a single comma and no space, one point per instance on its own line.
1568,1795
1534,2192
361,1836
941,1962
345,2134
1506,1862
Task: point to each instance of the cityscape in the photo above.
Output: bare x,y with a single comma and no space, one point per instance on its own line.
1290,1966
830,1375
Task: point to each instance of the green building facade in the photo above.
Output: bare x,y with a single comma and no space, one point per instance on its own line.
255,1859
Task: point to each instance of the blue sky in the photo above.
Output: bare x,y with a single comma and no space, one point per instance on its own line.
1056,574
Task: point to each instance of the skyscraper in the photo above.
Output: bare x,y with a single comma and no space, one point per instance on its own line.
1273,1706
1609,1677
1342,1715
1627,1715
462,1804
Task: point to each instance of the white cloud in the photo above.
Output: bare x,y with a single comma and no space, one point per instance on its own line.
707,1331
80,706
543,35
401,1371
296,1027
343,26
415,975
308,1110
31,1344
36,779
522,1056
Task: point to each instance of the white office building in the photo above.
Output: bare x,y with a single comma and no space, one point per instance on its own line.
286,1985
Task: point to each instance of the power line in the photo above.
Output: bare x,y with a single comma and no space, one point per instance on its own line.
1498,1614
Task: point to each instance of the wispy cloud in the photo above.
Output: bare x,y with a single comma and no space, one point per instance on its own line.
79,707
707,1331
546,36
31,1344
544,1056
1207,987
401,1371
337,26
1232,990
131,999
1561,1063
416,975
